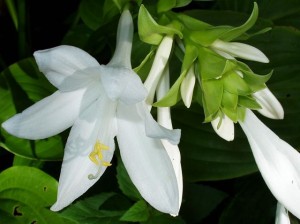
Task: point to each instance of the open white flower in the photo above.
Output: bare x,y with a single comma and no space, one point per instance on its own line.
101,102
278,162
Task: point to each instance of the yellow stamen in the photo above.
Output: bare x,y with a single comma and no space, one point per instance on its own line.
96,156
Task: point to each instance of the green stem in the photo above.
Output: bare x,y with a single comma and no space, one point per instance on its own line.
22,29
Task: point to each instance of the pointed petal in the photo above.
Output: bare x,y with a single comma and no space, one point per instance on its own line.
147,162
271,107
122,53
226,129
96,123
61,62
187,87
282,215
153,129
51,115
122,84
240,50
161,59
277,161
164,119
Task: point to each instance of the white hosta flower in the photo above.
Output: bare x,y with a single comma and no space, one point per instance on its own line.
100,102
231,50
271,107
282,215
160,61
164,119
225,129
278,162
187,87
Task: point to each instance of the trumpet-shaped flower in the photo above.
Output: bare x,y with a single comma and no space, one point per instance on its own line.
278,162
271,107
282,215
100,102
160,61
164,119
230,50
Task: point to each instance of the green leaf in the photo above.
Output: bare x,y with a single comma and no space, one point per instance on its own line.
139,212
30,79
90,210
150,31
245,203
125,183
200,201
25,192
164,219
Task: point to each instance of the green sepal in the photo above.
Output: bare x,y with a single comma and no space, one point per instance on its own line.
241,112
238,31
150,31
173,95
212,65
212,97
249,102
229,100
167,5
190,23
256,82
235,84
231,113
207,36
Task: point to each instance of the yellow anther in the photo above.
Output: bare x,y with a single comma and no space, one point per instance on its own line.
104,163
97,152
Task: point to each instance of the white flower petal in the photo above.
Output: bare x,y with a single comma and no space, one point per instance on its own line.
164,119
122,53
187,87
147,162
278,162
122,84
271,107
61,62
282,215
96,123
51,115
153,129
161,59
240,50
226,129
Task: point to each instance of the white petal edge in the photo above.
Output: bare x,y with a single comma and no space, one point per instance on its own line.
282,216
187,87
226,129
164,119
97,122
60,62
51,115
146,162
278,162
122,53
271,107
240,50
160,61
153,129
